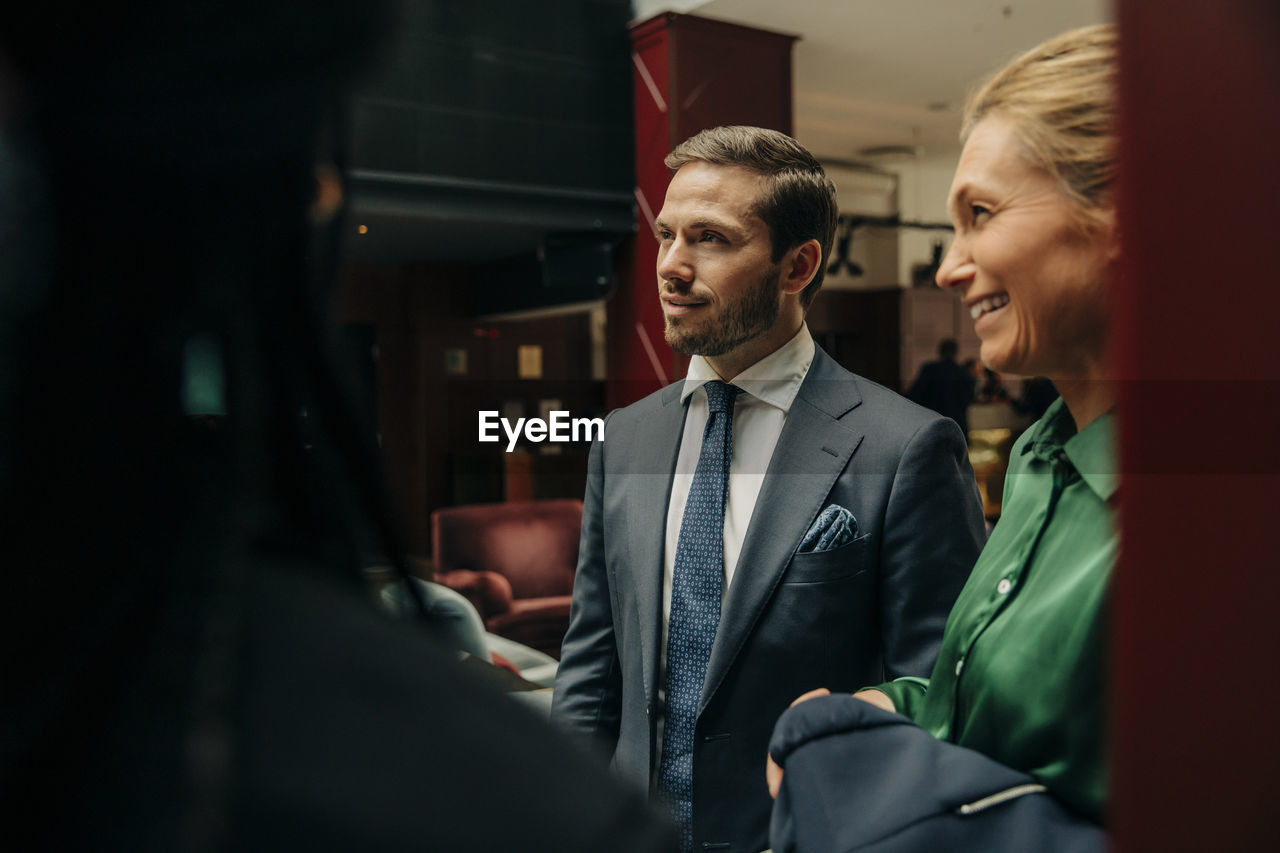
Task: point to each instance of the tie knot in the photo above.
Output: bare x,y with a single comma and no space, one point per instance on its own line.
720,396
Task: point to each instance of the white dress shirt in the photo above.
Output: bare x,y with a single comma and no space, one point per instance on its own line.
769,387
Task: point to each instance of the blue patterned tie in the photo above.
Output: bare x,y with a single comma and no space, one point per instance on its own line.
695,605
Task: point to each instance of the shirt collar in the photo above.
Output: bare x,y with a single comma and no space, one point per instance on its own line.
1090,451
775,379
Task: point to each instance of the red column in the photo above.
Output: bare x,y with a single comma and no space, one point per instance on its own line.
689,74
1196,699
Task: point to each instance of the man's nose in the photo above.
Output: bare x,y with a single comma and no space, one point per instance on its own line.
674,263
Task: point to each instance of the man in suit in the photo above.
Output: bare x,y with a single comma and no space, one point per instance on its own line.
769,524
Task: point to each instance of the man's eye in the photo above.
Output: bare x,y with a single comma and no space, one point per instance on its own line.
711,238
664,235
976,211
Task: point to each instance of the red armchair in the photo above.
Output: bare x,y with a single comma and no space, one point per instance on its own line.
515,562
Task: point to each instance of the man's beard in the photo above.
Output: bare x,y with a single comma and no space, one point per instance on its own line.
745,319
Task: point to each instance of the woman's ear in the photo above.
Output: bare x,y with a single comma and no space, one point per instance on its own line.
1107,224
1114,246
800,265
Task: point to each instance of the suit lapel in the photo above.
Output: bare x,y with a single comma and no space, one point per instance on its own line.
652,469
812,450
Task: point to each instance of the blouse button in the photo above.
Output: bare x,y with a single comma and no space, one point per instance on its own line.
1004,586
959,665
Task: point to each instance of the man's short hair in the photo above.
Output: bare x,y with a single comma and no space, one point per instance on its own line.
947,348
800,201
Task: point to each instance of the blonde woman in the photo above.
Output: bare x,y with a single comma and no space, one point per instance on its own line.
1020,674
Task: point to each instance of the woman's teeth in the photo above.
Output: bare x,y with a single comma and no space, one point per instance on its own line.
991,303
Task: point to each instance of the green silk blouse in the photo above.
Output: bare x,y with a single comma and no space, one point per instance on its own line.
1021,673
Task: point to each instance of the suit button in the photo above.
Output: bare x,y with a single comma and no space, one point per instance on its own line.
959,665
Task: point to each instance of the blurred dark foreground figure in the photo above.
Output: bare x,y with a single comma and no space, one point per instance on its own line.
190,660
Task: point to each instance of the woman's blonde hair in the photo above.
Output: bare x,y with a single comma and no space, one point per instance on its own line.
1060,98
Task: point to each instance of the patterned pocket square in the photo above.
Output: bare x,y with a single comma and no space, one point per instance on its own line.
836,526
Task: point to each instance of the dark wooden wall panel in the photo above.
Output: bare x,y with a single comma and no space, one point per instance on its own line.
1196,594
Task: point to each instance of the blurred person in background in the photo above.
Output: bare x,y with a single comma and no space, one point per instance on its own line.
945,386
988,385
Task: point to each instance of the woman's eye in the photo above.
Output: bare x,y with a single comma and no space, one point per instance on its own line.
976,211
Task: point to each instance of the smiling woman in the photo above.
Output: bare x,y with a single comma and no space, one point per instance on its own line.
1035,249
1033,276
1019,676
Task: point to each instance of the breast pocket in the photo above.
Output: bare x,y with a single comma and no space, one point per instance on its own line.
850,559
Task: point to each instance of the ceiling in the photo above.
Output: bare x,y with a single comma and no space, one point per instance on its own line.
879,73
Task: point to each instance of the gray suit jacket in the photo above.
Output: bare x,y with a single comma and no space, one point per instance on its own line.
865,611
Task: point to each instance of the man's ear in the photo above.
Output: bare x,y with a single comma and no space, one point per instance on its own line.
800,265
